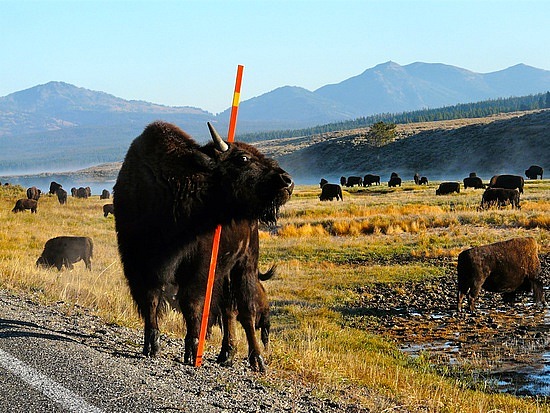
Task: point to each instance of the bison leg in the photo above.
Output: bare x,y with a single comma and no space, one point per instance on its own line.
229,349
151,333
192,325
88,263
255,357
538,292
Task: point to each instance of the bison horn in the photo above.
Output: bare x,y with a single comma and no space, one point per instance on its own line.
220,144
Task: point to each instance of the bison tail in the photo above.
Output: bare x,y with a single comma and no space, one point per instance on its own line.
269,274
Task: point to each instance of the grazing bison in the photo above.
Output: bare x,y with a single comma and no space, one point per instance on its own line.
395,180
169,196
104,194
473,182
82,193
65,251
54,186
108,209
423,181
61,196
370,179
507,182
34,193
504,267
534,172
500,197
354,180
331,191
22,204
446,188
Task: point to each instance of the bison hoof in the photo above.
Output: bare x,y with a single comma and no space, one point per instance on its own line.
151,344
257,363
226,357
191,349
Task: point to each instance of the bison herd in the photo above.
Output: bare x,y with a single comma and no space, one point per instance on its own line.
502,190
172,194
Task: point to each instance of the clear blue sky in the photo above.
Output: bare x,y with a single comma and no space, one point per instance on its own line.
185,52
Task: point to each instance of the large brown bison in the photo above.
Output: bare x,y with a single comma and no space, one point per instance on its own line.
22,204
61,195
507,182
65,251
331,191
105,194
54,186
500,197
395,180
534,172
108,209
446,188
504,267
34,193
169,196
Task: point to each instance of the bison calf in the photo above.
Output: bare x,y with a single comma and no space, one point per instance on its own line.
65,251
504,267
108,209
23,204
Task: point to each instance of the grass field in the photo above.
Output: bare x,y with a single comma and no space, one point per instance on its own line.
324,251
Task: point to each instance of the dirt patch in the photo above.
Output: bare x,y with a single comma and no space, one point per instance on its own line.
508,346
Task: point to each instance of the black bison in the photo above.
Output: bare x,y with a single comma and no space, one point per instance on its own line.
82,193
343,180
34,193
22,204
534,172
504,267
370,179
323,181
500,197
105,194
74,192
473,182
61,196
65,251
416,179
169,196
446,188
54,186
108,209
331,191
354,180
507,182
395,180
423,181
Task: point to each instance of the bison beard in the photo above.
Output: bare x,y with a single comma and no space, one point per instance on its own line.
170,195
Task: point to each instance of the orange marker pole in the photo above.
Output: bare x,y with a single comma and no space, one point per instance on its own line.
218,231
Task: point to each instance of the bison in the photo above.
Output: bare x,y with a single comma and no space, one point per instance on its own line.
423,181
504,267
82,193
395,180
65,251
343,180
54,186
473,182
61,196
331,191
446,188
534,172
105,194
170,195
507,182
354,180
500,197
108,209
34,193
370,179
416,179
22,204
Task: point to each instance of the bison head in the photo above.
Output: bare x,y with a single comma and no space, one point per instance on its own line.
248,183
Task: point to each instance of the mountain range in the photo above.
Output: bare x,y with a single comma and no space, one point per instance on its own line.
62,126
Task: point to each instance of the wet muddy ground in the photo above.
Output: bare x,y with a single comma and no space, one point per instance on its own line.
505,347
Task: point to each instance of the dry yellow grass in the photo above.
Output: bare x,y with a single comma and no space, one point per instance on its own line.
323,251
